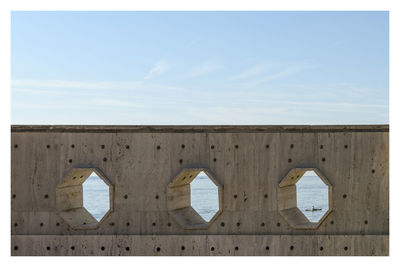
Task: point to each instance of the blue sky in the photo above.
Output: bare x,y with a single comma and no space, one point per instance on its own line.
199,67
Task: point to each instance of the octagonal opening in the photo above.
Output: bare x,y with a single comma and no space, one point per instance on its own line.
304,198
96,196
312,196
194,198
84,198
204,196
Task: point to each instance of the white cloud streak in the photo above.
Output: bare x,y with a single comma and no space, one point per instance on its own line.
284,72
159,67
236,115
253,71
114,103
265,72
51,85
205,68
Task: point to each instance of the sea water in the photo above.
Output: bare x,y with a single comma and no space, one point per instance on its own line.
96,196
311,191
204,196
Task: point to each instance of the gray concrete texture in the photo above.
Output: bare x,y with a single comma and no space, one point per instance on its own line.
249,162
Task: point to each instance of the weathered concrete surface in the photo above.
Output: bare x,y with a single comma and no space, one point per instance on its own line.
248,161
200,245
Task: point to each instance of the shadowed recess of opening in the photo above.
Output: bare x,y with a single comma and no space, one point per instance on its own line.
96,196
204,196
312,196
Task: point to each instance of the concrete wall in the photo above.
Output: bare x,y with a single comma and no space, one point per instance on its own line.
248,161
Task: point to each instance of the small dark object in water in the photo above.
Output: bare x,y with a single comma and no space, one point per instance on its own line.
313,209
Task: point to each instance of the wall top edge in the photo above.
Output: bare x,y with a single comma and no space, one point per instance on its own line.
198,128
205,235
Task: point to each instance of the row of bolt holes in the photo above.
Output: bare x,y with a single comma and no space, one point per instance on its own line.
183,146
157,197
169,224
183,248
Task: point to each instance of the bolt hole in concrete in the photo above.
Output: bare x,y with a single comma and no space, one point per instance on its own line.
204,196
96,196
312,196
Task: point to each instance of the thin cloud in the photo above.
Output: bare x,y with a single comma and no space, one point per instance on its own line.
36,91
39,85
114,103
236,115
253,71
160,67
22,105
205,68
62,84
278,74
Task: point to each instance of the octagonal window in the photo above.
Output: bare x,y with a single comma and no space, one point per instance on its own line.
84,198
194,198
96,196
304,198
204,196
312,196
